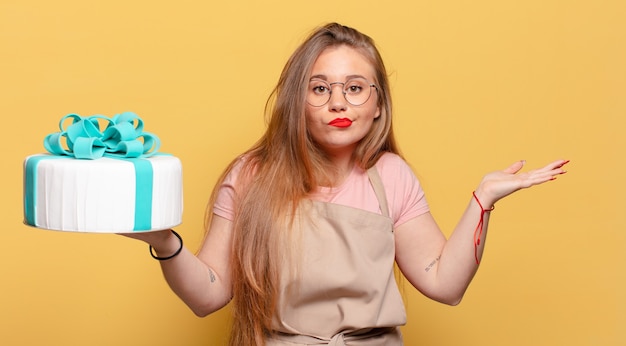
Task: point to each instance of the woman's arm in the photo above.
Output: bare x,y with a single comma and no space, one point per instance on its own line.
441,268
202,281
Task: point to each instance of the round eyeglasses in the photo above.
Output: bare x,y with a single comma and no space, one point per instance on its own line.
355,90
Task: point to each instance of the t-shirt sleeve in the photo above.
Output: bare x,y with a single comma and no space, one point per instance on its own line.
224,205
405,195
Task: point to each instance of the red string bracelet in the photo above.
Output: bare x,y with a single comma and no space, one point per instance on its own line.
478,232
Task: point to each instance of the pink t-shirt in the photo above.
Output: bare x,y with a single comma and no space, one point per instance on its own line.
404,194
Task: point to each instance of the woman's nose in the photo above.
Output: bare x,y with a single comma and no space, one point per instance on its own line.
337,100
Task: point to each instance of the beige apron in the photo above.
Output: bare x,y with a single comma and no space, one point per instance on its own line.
345,291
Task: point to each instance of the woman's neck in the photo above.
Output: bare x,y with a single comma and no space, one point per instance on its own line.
342,164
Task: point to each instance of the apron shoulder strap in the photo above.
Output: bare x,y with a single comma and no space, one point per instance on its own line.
379,189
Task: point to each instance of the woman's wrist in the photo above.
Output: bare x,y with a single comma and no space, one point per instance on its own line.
486,200
478,232
167,246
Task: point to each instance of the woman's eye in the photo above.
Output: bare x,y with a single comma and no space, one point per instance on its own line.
354,89
320,89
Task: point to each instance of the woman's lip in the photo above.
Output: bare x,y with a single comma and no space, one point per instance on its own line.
340,122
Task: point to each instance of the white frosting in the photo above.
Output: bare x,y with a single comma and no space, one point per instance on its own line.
98,196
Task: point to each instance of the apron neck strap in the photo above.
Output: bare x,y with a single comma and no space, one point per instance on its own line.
379,190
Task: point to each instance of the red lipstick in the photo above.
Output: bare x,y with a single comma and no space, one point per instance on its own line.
340,122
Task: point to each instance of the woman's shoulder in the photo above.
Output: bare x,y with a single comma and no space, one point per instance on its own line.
394,170
392,160
404,193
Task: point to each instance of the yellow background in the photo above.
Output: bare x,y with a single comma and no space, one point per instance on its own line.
477,85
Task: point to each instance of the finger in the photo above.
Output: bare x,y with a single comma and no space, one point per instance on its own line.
540,176
555,168
555,164
515,167
562,163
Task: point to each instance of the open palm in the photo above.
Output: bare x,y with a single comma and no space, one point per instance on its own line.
500,184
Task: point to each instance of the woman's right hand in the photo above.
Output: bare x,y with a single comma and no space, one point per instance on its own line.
163,242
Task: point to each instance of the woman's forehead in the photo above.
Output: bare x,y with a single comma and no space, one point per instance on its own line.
342,62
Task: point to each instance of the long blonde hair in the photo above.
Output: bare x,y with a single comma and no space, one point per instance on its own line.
281,169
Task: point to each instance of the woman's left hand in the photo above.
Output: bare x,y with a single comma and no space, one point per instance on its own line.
499,184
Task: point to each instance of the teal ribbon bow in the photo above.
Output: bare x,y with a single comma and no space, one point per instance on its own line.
123,137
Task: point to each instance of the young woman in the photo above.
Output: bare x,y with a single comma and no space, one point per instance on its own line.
304,227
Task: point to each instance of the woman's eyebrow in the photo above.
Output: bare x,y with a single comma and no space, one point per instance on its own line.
319,76
323,77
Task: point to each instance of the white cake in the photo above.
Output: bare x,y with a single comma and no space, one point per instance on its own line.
103,195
